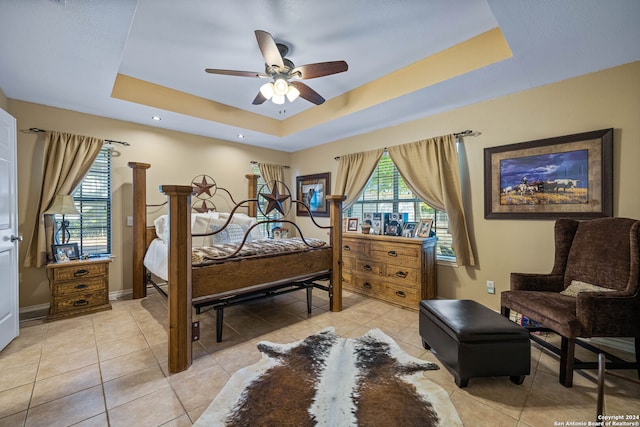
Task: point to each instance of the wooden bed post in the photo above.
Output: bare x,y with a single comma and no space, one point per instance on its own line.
139,227
179,283
335,212
252,186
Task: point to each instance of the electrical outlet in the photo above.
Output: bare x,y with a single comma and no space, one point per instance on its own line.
491,287
129,221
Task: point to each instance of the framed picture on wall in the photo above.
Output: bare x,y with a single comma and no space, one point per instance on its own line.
312,190
568,176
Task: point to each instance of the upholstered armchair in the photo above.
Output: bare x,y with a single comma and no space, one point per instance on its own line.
592,290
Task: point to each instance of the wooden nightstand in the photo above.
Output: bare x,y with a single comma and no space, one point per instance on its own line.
78,287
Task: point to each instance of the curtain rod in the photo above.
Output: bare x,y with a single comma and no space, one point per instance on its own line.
467,132
253,162
109,141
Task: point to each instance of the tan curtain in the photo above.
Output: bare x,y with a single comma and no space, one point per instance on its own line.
67,159
354,171
431,170
272,173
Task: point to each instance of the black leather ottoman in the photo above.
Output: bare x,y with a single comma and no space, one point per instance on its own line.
472,340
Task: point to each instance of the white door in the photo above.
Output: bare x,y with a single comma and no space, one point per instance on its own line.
8,231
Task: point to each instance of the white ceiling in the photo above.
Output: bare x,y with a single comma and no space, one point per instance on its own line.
68,53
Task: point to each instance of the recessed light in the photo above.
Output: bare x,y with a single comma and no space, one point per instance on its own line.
240,136
156,118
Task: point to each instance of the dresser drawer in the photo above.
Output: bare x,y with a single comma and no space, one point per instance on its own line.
403,275
409,297
391,251
79,300
368,267
353,247
79,271
368,286
91,284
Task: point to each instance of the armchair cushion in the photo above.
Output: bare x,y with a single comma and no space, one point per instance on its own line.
577,286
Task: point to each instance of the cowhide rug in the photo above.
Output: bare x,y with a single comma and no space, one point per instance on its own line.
327,380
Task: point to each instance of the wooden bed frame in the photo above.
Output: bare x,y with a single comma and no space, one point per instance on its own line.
188,284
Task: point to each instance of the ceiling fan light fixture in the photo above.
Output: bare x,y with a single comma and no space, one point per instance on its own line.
280,86
292,93
267,90
278,99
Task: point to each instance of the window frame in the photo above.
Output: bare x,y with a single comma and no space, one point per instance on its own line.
93,193
440,224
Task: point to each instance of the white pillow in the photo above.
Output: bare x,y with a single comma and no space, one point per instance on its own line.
232,233
244,221
577,286
201,224
162,229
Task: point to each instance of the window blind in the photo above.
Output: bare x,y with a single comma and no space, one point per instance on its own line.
92,197
386,191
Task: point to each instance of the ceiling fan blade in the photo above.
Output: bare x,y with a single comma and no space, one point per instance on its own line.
236,73
307,93
269,49
311,71
259,99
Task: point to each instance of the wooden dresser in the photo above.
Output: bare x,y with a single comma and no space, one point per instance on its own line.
78,287
399,270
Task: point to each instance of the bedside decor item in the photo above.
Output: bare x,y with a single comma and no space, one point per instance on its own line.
424,228
66,252
312,189
62,205
352,224
569,176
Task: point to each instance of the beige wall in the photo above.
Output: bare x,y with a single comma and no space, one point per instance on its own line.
175,158
601,100
607,99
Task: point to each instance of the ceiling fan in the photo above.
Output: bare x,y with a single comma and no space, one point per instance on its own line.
284,73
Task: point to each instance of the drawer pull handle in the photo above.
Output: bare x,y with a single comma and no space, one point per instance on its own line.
346,248
79,273
367,267
401,294
82,286
402,274
80,303
392,253
367,285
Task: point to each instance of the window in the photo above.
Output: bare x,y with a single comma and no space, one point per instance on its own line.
266,228
92,229
386,191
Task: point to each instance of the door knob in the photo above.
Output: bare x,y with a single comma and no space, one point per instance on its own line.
16,238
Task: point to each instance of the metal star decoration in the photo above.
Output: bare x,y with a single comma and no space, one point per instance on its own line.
205,206
203,186
275,200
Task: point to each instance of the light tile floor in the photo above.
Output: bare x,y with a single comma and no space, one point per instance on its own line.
110,368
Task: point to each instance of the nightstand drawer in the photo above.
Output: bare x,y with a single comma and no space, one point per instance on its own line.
85,285
80,300
80,271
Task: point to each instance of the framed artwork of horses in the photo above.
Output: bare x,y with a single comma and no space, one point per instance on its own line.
311,190
569,176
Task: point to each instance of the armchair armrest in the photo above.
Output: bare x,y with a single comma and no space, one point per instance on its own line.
537,282
608,313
